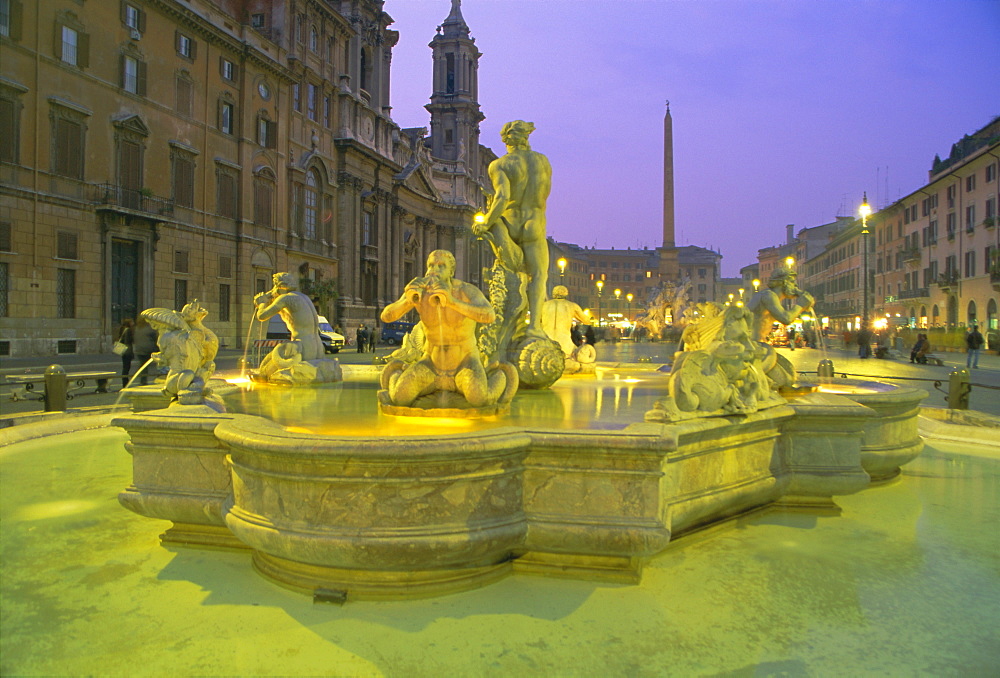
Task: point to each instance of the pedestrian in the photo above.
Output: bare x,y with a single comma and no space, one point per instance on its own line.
791,338
362,337
372,336
126,336
864,342
918,354
973,342
144,346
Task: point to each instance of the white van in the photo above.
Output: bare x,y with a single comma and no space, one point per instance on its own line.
332,342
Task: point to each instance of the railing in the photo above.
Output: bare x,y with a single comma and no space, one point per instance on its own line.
139,200
910,253
948,279
918,293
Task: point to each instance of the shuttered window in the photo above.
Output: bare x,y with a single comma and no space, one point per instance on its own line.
226,194
6,245
223,303
68,149
11,19
8,130
181,261
65,293
263,199
180,293
133,75
183,181
66,245
184,91
225,267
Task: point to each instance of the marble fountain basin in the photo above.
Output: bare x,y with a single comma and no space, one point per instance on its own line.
388,516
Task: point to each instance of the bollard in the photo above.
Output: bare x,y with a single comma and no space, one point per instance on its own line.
55,388
825,369
959,389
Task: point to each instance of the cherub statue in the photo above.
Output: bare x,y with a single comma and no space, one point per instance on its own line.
187,348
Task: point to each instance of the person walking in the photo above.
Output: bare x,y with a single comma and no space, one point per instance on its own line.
973,342
144,346
864,343
361,336
372,336
126,335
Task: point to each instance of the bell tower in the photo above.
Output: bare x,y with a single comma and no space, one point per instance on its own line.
454,106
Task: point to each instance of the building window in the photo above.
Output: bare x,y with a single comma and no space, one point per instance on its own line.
326,111
6,242
67,245
227,114
65,293
11,15
10,125
225,267
4,287
133,17
184,90
313,39
133,75
70,46
991,173
185,46
181,260
226,203
366,229
224,303
263,201
257,21
310,205
970,218
267,133
991,211
68,148
970,264
970,183
297,97
180,293
311,101
183,179
951,196
228,69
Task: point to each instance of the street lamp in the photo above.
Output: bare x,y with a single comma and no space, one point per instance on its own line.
600,286
562,270
756,284
629,297
790,262
865,210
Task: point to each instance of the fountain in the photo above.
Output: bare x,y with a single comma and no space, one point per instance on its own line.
458,495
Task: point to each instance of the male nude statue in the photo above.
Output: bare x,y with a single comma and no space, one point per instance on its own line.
298,312
558,314
766,304
521,180
449,310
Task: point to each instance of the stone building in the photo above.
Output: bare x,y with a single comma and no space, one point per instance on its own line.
157,151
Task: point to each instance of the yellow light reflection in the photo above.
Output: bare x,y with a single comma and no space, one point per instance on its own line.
54,509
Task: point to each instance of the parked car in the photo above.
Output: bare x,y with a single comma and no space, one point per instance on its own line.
393,333
332,341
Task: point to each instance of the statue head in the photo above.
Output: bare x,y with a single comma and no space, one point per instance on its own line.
285,281
515,133
784,278
441,264
560,292
193,311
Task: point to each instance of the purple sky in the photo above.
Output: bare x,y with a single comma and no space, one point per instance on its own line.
784,111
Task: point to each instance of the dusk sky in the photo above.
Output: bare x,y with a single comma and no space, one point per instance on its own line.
784,111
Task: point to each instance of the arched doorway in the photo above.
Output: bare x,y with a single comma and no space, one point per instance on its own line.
970,313
935,316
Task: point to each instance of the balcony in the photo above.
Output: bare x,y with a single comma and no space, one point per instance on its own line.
131,200
947,280
910,254
989,222
919,293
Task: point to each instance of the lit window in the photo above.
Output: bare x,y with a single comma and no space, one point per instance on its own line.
131,17
311,199
228,70
313,40
226,118
184,46
311,101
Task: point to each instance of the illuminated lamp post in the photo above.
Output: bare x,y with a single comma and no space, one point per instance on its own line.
600,286
618,303
628,298
865,210
562,271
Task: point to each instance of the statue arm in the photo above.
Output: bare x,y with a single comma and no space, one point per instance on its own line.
501,199
475,306
786,317
580,316
398,308
266,310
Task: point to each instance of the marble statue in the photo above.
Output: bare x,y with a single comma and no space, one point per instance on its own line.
515,220
451,372
558,315
300,360
666,308
767,308
721,370
514,225
187,349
